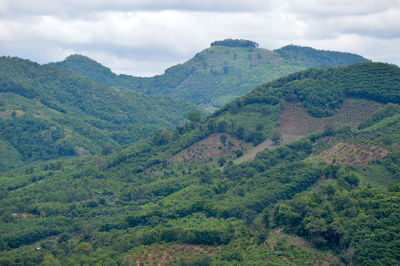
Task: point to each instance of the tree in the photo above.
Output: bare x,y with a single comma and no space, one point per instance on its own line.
265,217
276,137
100,163
162,138
83,247
221,161
211,125
240,132
63,238
223,139
221,126
329,129
194,116
107,149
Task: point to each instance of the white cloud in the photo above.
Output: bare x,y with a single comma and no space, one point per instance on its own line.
337,8
78,7
145,37
5,34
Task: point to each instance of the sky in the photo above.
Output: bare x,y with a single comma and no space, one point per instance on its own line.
145,37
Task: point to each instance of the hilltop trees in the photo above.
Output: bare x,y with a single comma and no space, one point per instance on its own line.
235,43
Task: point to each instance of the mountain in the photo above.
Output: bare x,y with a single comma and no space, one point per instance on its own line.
226,70
322,187
47,112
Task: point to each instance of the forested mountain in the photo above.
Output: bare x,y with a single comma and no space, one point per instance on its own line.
47,112
226,70
322,189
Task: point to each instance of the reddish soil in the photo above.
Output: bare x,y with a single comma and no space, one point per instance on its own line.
353,154
168,254
212,148
296,122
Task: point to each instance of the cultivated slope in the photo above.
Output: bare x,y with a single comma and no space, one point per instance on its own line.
146,204
217,74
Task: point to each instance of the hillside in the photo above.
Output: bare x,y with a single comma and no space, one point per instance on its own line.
328,197
48,112
213,77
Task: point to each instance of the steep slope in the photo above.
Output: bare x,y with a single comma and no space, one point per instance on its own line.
48,112
141,205
216,75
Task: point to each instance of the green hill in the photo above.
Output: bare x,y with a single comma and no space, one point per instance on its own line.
226,70
48,112
328,196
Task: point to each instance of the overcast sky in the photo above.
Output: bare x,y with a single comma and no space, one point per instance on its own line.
145,37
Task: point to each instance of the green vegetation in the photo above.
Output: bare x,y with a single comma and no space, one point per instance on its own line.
388,111
311,57
361,223
322,92
235,43
219,74
290,205
47,112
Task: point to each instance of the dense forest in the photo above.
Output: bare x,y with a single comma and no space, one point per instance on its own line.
215,76
47,112
325,197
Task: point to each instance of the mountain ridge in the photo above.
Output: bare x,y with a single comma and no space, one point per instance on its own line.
219,73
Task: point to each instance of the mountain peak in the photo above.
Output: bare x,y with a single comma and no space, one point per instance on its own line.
77,56
82,59
86,66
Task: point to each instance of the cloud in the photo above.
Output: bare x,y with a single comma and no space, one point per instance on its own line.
77,7
338,8
145,37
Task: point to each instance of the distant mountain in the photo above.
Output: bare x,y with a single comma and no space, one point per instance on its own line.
216,75
47,112
319,184
310,57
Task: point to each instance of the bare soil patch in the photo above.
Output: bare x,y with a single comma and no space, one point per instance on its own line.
168,254
353,154
212,148
296,122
